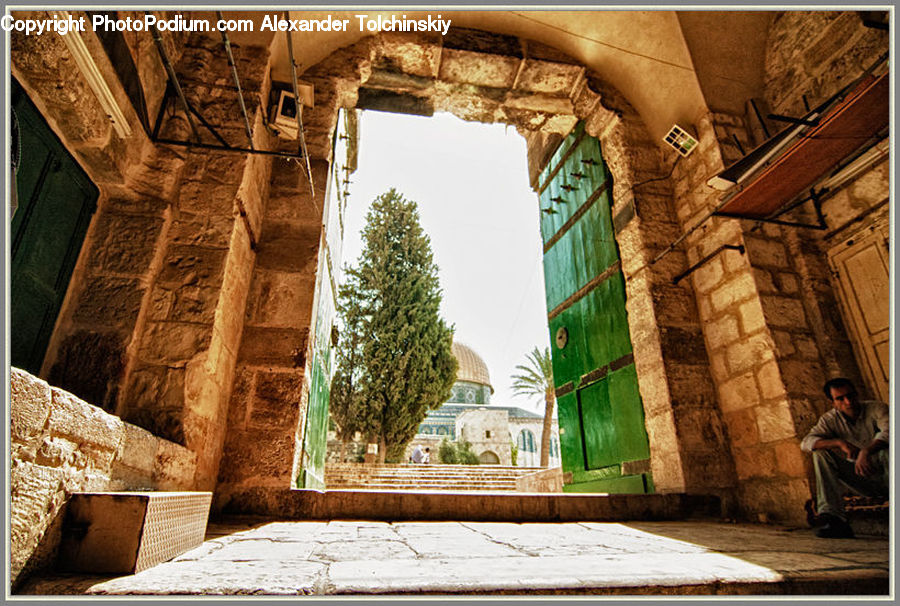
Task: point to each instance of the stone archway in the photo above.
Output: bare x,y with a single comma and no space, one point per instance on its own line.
489,458
491,78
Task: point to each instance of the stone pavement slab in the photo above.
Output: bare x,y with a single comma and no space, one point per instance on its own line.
256,556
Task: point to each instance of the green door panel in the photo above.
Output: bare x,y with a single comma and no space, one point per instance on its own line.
56,199
628,414
599,429
570,444
600,412
620,485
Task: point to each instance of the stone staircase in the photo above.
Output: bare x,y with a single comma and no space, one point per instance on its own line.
492,478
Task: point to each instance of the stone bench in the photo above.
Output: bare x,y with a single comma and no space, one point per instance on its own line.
126,532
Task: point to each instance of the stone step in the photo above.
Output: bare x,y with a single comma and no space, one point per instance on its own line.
485,478
396,486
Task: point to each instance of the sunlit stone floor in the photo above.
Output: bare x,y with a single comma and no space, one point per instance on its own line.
256,556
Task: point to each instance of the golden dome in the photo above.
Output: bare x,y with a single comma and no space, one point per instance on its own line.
472,368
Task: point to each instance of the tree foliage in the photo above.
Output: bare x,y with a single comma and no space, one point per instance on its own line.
457,453
536,379
394,357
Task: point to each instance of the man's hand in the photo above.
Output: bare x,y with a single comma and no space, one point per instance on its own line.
864,465
850,450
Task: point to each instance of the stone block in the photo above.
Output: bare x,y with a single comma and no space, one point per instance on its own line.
802,377
274,346
765,252
754,462
60,452
549,104
276,399
721,332
124,244
174,466
289,247
89,364
783,312
223,168
791,460
174,341
699,426
775,422
418,56
29,407
467,67
769,379
683,344
138,448
123,478
193,266
241,392
750,353
784,343
194,304
90,427
36,494
708,276
126,533
736,288
787,282
742,428
109,301
271,460
547,77
718,365
739,393
207,198
281,299
752,317
212,231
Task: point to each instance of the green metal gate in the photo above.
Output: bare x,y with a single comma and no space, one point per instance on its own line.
601,417
56,199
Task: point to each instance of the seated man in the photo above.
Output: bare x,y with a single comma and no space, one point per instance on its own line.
417,455
849,445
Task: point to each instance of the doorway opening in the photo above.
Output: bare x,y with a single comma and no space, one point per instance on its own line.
493,238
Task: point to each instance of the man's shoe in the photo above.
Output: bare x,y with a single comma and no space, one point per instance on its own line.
835,528
812,518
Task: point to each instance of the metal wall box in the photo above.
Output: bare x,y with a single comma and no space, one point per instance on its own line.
126,532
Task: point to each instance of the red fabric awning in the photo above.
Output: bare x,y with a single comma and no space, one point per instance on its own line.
846,128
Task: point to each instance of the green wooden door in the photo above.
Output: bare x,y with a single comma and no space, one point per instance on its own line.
601,417
56,201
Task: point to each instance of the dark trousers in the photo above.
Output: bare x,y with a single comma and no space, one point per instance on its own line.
835,476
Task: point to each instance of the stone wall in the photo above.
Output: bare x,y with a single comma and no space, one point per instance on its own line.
488,431
60,444
152,324
769,315
546,480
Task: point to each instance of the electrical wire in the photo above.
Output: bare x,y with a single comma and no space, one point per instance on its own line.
624,50
663,178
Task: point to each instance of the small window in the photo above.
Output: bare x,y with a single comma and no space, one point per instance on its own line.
487,434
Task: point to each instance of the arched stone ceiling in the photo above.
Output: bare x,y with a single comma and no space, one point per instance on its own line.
670,65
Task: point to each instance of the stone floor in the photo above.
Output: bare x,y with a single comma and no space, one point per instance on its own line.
244,556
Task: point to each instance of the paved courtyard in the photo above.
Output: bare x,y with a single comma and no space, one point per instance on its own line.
254,556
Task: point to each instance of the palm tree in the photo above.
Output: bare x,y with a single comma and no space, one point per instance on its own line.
536,379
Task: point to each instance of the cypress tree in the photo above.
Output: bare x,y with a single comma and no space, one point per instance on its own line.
392,330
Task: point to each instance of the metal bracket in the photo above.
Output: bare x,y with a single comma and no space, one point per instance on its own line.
223,145
792,120
705,260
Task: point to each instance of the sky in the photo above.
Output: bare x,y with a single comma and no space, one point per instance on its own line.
470,181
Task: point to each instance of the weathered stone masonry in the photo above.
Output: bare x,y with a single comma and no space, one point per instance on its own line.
190,309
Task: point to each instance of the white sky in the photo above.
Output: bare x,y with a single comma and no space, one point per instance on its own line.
470,181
